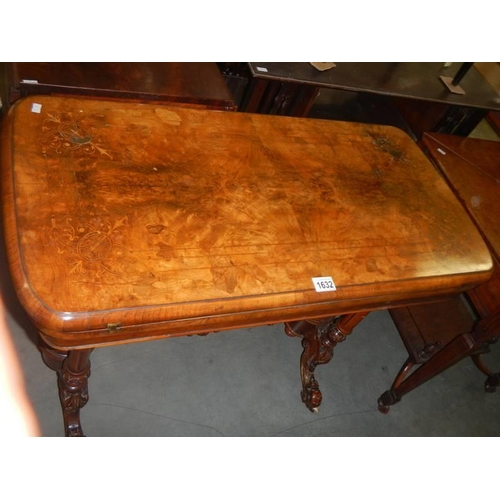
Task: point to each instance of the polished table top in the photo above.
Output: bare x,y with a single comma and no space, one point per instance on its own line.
176,220
472,167
413,80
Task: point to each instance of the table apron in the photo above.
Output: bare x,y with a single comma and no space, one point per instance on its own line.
194,326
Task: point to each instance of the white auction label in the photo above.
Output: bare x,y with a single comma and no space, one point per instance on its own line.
261,69
324,284
36,108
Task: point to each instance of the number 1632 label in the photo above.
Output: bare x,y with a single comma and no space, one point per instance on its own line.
324,284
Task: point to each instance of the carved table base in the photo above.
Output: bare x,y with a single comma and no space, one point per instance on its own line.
73,371
319,337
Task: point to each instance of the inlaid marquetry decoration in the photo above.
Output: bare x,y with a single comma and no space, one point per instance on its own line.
128,221
65,132
89,246
127,206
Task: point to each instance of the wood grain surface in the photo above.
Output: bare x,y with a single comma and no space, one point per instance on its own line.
440,335
129,221
472,167
414,80
195,83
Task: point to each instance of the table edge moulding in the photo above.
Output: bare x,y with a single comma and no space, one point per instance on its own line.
127,222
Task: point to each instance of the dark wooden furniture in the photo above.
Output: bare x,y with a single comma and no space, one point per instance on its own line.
129,222
416,89
194,84
494,120
443,334
4,87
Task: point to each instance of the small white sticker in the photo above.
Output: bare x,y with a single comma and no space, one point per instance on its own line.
260,68
324,284
30,81
36,108
441,151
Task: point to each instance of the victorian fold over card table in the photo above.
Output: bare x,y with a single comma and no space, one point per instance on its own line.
131,222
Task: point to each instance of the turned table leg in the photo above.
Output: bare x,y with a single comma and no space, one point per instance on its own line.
455,351
472,344
73,371
319,337
403,372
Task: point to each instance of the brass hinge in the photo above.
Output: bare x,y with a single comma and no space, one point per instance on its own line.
113,327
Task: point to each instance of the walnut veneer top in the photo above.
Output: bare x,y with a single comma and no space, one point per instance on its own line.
189,219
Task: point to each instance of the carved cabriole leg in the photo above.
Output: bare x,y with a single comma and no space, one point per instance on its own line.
319,337
312,355
308,330
73,389
73,371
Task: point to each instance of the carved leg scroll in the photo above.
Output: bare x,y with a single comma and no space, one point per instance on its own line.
319,337
73,371
73,389
312,355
